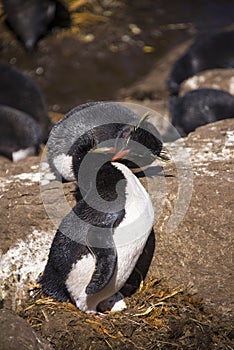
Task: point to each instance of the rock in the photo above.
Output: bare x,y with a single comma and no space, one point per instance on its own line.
193,224
222,79
197,251
17,334
26,229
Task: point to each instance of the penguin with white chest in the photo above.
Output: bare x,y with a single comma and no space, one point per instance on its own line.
20,135
25,124
99,242
19,91
200,107
208,51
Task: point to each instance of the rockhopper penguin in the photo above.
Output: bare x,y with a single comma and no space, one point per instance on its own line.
200,107
20,135
208,51
98,244
19,91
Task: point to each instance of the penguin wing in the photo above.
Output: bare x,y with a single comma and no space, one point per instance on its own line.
101,244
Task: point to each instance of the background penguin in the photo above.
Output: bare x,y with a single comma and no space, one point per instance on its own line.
200,107
90,124
20,92
20,135
29,18
208,51
95,251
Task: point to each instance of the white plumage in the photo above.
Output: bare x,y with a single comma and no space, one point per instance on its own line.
130,238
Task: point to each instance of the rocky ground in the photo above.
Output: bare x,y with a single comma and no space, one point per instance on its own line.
187,298
186,301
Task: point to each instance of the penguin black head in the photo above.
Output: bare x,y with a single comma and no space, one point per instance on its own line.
29,19
144,145
134,147
20,135
102,125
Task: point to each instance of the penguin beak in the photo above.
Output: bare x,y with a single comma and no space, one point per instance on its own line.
120,155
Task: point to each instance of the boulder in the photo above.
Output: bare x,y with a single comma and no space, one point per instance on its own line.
16,333
194,236
221,79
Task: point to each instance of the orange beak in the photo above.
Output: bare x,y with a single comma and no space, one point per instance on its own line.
119,155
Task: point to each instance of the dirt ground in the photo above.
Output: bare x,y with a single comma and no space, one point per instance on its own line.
186,301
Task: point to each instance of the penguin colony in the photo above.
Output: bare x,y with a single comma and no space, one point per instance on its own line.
97,245
95,249
201,106
208,51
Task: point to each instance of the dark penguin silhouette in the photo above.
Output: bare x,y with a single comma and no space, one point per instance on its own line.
200,107
100,241
91,124
20,92
20,135
29,19
208,51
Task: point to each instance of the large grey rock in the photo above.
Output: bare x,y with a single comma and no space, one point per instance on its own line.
198,252
194,251
17,334
222,79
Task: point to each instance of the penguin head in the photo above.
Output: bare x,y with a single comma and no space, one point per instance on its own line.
138,145
105,128
134,146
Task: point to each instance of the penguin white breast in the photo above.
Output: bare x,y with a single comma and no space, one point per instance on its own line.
131,235
130,238
139,212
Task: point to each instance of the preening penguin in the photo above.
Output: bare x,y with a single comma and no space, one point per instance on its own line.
20,135
99,242
208,51
90,124
200,107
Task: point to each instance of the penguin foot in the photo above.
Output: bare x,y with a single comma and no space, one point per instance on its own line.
96,313
113,303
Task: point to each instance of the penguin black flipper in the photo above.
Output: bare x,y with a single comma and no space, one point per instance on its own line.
58,266
102,246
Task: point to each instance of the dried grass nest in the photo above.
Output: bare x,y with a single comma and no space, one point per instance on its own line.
156,318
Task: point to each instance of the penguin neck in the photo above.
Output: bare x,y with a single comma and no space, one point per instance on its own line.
111,182
108,181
